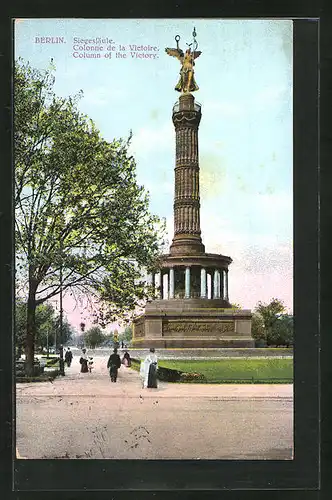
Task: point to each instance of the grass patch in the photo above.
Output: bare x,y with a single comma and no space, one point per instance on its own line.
43,377
52,362
236,370
54,366
135,364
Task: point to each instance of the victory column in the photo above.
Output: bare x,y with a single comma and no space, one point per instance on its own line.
192,310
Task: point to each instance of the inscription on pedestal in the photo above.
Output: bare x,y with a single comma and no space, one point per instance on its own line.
190,327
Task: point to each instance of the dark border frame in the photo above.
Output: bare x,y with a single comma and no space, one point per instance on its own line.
204,476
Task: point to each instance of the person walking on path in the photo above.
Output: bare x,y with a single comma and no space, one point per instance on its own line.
148,370
126,359
68,357
84,362
114,363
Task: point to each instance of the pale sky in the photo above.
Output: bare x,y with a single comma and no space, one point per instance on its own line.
245,136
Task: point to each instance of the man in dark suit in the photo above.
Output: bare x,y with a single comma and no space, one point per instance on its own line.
114,363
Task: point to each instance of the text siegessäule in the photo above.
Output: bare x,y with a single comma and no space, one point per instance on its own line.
97,48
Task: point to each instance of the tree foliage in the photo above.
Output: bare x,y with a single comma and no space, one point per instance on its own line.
270,312
94,337
257,327
47,326
282,331
78,206
271,325
127,334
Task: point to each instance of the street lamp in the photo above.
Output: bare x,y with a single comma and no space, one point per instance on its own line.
47,344
82,327
61,363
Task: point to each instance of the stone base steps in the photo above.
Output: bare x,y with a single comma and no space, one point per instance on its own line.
212,353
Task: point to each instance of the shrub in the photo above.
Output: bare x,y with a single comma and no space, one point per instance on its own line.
192,377
168,375
20,368
44,377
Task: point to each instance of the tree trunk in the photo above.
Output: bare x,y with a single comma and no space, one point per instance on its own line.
30,332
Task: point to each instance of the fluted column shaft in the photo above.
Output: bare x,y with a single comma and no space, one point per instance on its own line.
186,196
187,283
203,283
171,283
187,227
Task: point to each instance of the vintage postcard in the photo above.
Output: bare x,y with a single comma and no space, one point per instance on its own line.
154,238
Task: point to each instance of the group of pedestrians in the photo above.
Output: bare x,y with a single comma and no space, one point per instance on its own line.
148,368
86,362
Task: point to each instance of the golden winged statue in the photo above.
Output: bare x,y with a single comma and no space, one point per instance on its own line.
186,82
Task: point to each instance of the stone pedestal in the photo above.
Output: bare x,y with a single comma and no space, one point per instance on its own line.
192,323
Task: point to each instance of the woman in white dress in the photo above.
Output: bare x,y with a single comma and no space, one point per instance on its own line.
149,369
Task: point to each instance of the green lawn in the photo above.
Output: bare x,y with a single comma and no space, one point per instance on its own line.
49,363
236,370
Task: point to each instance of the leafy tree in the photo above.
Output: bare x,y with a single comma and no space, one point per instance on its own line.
270,312
67,331
47,326
127,334
20,326
257,327
109,339
94,337
281,332
80,340
78,207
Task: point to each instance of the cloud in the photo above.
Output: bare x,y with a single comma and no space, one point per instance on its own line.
262,264
264,260
247,289
261,269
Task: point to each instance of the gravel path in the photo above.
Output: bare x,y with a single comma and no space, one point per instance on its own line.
87,416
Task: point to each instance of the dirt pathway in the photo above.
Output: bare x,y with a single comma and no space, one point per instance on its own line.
88,416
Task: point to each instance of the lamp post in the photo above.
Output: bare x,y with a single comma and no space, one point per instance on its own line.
47,345
61,363
82,327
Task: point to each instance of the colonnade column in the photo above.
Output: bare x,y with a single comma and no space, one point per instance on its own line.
187,283
160,285
226,285
171,283
222,294
165,286
203,283
214,285
216,278
209,286
218,284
